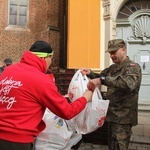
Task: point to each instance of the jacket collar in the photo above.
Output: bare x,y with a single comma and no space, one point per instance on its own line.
33,60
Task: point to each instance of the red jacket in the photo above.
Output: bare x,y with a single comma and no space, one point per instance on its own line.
25,92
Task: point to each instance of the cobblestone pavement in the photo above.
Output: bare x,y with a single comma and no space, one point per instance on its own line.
90,146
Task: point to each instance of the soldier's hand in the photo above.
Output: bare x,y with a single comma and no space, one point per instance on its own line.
93,84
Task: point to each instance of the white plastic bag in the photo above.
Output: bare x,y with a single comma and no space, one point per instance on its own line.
94,114
56,134
77,86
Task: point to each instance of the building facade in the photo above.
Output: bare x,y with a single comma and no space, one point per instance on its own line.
78,32
129,20
23,22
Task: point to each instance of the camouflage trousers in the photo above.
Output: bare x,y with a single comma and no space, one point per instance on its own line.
119,136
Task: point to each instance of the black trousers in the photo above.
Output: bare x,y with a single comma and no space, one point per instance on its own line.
7,145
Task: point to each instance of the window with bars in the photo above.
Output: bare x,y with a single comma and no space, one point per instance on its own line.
18,12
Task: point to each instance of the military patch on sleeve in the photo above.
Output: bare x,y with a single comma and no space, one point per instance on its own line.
132,65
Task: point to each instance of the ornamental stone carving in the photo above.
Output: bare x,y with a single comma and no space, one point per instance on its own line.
106,6
142,28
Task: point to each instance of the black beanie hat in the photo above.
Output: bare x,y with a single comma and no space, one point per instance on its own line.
41,46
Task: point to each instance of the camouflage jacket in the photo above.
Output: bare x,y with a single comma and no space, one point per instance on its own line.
123,85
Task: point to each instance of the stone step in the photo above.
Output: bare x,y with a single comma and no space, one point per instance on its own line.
140,139
139,143
137,146
144,106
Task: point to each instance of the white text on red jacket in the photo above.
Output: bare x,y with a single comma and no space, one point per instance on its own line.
7,85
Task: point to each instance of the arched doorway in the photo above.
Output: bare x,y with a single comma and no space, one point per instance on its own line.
129,20
132,25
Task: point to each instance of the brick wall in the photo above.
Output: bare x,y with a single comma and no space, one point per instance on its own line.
14,41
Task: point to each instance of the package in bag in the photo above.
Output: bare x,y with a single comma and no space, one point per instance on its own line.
56,134
94,114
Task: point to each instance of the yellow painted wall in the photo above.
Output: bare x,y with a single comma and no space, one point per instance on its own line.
83,49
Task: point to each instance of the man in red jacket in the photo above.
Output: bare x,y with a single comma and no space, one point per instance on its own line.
25,92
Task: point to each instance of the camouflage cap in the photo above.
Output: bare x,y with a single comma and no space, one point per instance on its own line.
115,44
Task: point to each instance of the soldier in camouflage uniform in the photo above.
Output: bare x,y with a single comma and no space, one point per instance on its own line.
123,79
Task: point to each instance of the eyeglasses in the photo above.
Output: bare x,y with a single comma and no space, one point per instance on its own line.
50,56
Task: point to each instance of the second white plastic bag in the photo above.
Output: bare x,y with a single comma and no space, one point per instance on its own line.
94,114
56,134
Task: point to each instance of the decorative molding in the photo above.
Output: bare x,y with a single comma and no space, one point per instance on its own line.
131,38
116,3
114,29
114,24
106,6
141,28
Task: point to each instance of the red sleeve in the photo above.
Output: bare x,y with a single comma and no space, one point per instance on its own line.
59,105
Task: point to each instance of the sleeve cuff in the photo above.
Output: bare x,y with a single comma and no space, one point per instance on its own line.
103,80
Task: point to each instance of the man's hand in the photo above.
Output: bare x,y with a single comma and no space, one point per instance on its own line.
85,71
88,95
93,84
